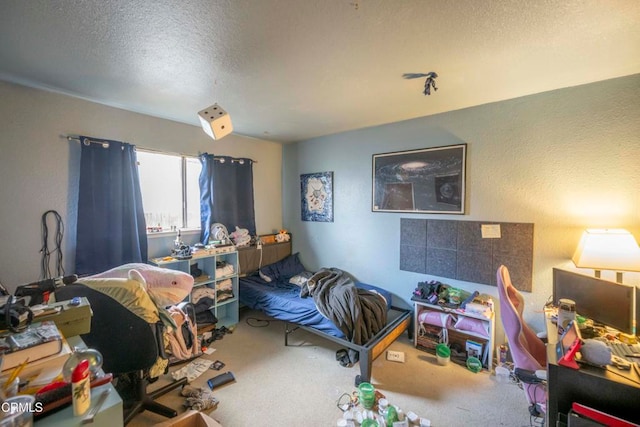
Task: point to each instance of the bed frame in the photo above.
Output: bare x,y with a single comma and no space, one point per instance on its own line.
398,321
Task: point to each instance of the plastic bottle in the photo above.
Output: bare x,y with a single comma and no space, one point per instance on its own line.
503,354
81,388
566,314
391,415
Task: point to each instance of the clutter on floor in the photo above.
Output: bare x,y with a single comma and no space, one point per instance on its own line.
214,335
199,399
191,418
368,407
193,370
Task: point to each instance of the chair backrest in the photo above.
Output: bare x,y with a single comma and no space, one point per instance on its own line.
527,350
127,342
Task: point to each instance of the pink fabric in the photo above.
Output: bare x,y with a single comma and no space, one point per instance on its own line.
527,350
177,345
472,325
435,318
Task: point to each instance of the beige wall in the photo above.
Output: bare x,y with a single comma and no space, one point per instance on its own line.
39,168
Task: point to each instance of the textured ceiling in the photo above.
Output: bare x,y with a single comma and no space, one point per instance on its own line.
289,70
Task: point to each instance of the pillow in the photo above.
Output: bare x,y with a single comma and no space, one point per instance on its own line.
436,318
284,269
300,279
472,325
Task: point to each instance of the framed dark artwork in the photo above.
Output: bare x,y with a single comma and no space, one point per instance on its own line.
316,195
429,180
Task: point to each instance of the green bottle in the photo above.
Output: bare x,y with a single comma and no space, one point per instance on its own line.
391,415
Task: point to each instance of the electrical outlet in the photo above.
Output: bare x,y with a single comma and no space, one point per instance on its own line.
395,356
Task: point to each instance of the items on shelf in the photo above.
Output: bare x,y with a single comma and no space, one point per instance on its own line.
437,293
241,237
214,272
462,320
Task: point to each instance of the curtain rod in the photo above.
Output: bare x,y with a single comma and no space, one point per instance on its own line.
106,144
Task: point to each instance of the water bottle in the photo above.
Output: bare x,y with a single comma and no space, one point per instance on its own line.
566,314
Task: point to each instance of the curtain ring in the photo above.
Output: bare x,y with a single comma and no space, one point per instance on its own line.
86,141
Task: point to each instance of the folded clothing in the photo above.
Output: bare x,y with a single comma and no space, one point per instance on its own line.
224,269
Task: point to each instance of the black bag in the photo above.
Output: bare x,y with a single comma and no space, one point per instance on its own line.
16,316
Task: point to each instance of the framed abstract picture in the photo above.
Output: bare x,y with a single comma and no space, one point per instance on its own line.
429,180
316,195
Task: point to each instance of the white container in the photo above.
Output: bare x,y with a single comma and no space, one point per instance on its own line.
81,388
566,314
502,374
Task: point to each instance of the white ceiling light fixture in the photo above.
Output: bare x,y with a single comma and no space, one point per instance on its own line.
215,121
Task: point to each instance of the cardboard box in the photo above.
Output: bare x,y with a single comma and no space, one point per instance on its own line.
71,320
190,418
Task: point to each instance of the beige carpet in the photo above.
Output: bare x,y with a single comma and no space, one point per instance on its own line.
299,385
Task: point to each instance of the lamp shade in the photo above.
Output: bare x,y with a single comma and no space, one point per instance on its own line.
608,249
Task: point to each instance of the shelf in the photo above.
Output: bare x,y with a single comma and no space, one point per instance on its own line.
226,311
458,335
452,310
227,301
202,280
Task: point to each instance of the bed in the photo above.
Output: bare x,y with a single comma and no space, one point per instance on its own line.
273,293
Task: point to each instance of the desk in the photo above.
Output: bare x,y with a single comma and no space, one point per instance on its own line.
110,414
611,390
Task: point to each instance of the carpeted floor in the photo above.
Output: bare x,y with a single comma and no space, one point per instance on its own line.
299,385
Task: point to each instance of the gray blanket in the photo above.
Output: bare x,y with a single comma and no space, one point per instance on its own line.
358,313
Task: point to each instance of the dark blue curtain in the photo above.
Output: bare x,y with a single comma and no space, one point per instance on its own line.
111,225
226,194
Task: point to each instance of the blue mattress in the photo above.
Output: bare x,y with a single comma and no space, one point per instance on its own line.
281,300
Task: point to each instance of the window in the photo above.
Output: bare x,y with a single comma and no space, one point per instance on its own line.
170,190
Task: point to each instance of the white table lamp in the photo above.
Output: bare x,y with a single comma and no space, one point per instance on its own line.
608,249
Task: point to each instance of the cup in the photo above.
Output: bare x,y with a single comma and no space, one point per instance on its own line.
566,314
443,354
502,374
367,395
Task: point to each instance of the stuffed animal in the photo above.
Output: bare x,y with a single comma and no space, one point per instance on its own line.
241,236
164,286
283,236
596,352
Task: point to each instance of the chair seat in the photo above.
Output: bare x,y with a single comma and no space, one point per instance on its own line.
130,346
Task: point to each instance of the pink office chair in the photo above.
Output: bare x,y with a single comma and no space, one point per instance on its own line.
528,352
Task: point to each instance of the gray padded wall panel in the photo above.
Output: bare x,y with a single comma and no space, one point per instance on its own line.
456,249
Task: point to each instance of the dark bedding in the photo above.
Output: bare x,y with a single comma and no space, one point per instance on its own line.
359,313
281,300
276,288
